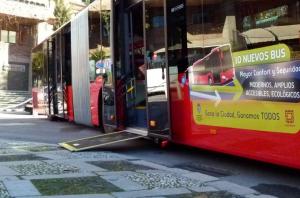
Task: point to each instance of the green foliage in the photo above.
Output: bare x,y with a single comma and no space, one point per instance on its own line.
97,55
105,15
62,13
37,63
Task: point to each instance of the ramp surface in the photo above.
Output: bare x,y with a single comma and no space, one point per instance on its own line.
99,140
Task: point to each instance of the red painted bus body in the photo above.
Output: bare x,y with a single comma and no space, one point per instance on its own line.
279,148
95,100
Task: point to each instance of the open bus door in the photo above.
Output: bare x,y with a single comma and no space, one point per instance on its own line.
141,74
137,100
157,73
116,89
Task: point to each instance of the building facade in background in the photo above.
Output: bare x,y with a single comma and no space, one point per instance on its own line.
20,22
23,25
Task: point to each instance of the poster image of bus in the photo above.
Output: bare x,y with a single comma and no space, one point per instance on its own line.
216,68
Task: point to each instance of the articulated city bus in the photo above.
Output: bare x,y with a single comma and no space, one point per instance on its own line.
133,68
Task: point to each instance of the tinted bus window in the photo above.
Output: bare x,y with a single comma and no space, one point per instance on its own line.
95,50
99,40
246,55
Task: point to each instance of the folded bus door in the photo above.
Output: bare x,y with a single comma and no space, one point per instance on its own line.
157,72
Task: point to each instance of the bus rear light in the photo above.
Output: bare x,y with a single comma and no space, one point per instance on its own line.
152,123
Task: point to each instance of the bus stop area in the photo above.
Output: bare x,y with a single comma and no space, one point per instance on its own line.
36,169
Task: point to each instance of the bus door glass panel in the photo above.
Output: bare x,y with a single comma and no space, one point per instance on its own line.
66,71
37,60
156,75
96,67
108,12
58,76
177,61
135,85
51,77
45,79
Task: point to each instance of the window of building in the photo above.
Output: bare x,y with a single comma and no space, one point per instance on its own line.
12,37
265,18
8,36
4,36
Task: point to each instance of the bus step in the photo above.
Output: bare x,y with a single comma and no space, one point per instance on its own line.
99,140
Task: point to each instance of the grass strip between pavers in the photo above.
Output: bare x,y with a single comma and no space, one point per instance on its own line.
74,186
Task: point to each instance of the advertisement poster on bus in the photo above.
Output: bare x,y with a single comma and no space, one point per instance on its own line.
262,94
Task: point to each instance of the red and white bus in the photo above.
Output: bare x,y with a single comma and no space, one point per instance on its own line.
244,103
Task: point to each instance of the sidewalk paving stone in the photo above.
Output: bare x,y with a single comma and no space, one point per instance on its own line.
76,196
162,180
231,187
44,168
115,173
86,156
73,175
161,167
19,188
124,183
201,177
11,151
125,176
260,196
203,189
83,166
9,178
151,193
3,191
219,194
6,171
151,164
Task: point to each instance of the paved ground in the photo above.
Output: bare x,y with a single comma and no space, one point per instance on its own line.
219,172
43,170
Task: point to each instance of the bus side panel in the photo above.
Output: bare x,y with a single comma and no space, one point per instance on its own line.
273,147
281,149
70,103
179,103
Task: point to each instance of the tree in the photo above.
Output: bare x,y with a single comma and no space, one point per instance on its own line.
97,55
37,66
62,13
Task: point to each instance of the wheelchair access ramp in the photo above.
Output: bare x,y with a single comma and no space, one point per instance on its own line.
99,140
